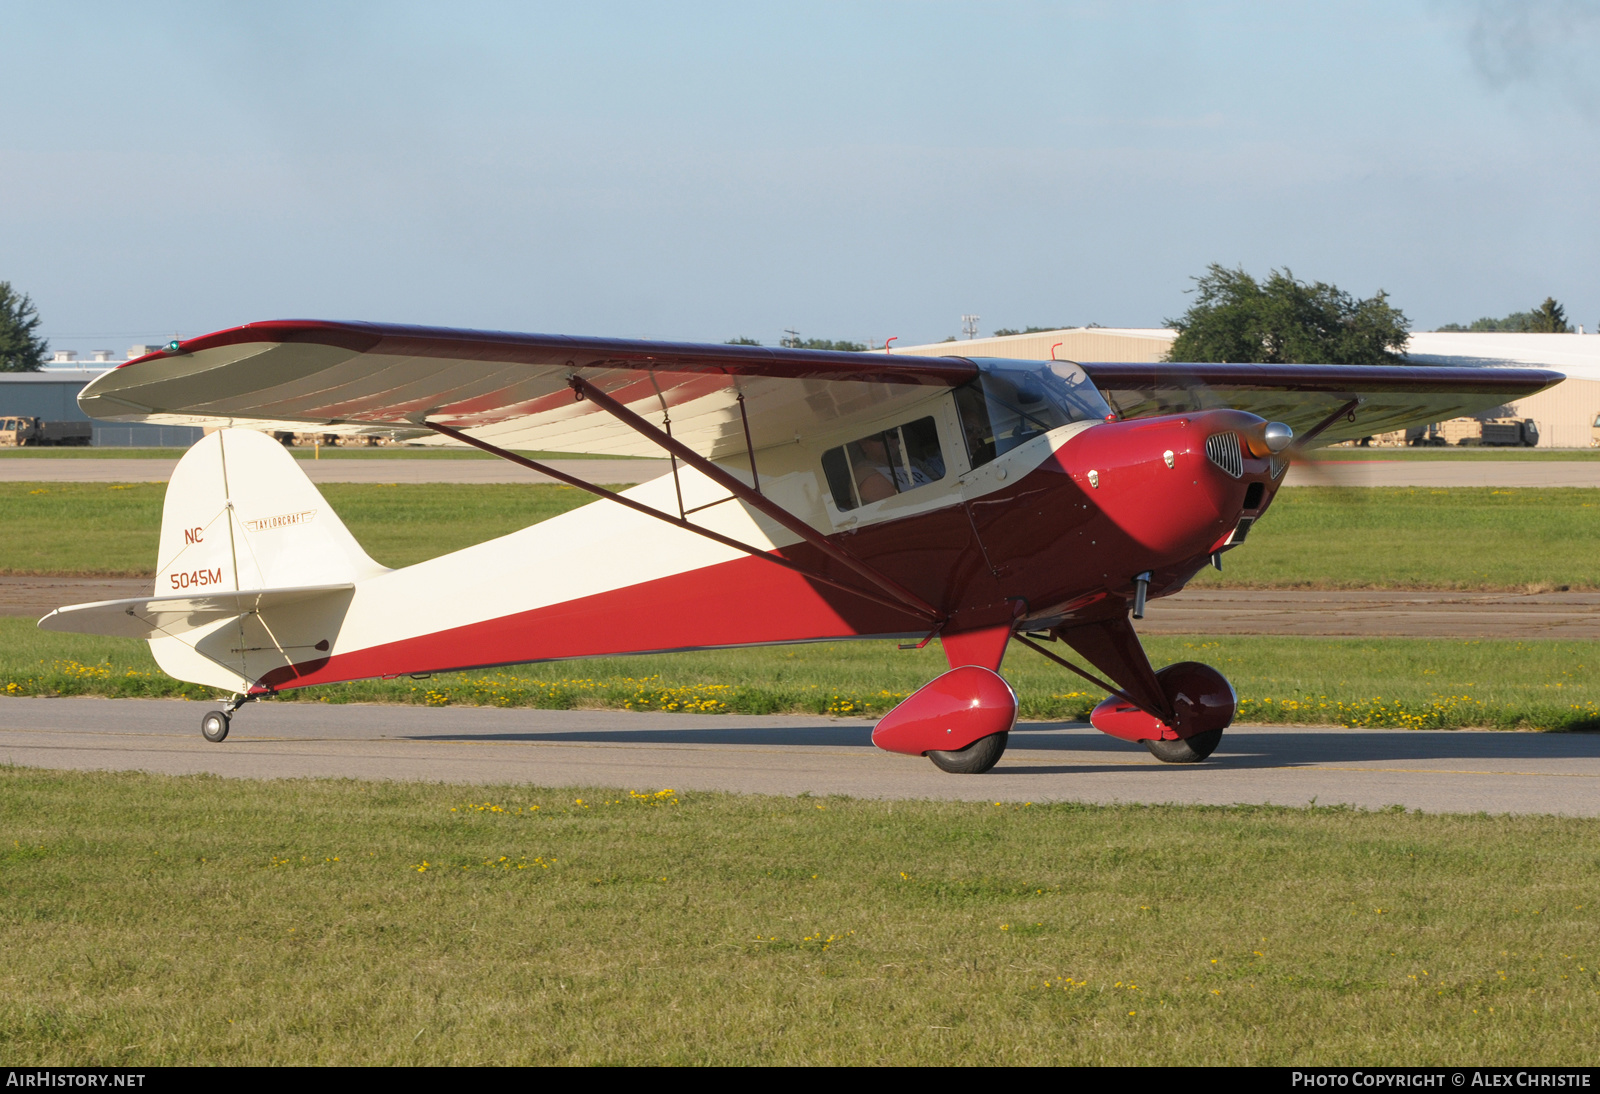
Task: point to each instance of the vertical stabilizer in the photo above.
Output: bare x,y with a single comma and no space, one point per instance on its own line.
240,514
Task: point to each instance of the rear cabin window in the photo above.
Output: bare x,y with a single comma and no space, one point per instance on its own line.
881,465
1008,406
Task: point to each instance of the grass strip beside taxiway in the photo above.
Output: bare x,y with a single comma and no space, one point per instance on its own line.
1411,683
154,920
1312,537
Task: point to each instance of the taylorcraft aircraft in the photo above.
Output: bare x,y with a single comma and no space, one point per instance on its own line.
813,495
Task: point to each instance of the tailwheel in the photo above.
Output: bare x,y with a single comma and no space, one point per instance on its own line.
975,759
1190,750
214,726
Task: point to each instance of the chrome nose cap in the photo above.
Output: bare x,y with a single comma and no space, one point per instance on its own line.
1277,436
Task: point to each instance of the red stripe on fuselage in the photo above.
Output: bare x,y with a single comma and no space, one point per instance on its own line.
738,603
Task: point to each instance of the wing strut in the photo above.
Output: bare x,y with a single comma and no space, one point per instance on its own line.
1348,408
757,501
1064,663
679,522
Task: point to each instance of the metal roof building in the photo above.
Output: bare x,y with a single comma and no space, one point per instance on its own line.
52,394
1565,414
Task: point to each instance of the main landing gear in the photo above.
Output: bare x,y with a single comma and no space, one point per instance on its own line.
962,720
975,759
1202,704
214,724
1186,750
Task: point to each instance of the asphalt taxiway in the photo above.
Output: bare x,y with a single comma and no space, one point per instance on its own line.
1446,772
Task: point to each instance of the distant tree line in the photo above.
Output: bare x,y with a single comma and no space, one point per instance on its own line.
1006,332
1283,320
794,341
1547,318
21,349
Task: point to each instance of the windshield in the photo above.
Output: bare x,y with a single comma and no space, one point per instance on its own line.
1013,402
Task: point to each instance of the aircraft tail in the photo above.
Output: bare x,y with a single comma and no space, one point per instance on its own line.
254,571
241,514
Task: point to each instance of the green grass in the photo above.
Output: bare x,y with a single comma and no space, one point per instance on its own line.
153,920
325,453
1397,682
101,528
1313,537
1421,538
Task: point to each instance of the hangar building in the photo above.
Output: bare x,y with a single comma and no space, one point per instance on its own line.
52,394
1566,414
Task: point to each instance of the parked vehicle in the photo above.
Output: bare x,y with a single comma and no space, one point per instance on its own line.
21,431
1489,432
1509,432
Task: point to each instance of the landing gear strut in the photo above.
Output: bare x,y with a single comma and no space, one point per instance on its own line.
214,725
1178,714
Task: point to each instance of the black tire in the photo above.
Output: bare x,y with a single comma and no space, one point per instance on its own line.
1188,751
214,726
975,759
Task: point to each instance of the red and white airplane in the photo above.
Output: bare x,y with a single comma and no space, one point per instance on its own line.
813,495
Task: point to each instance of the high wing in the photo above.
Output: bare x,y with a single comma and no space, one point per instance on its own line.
511,390
515,390
1379,398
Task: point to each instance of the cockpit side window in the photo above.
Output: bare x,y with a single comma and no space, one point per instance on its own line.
881,465
1011,403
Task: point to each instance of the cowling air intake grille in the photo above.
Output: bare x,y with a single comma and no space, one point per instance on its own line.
1223,450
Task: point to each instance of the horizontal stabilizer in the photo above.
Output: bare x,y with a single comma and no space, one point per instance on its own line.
159,616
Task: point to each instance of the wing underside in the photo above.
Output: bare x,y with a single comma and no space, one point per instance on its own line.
512,390
1361,400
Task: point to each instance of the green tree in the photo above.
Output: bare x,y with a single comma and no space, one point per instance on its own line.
796,342
21,350
1284,320
1005,331
742,341
1548,318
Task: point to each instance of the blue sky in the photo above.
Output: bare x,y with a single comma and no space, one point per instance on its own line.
700,171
